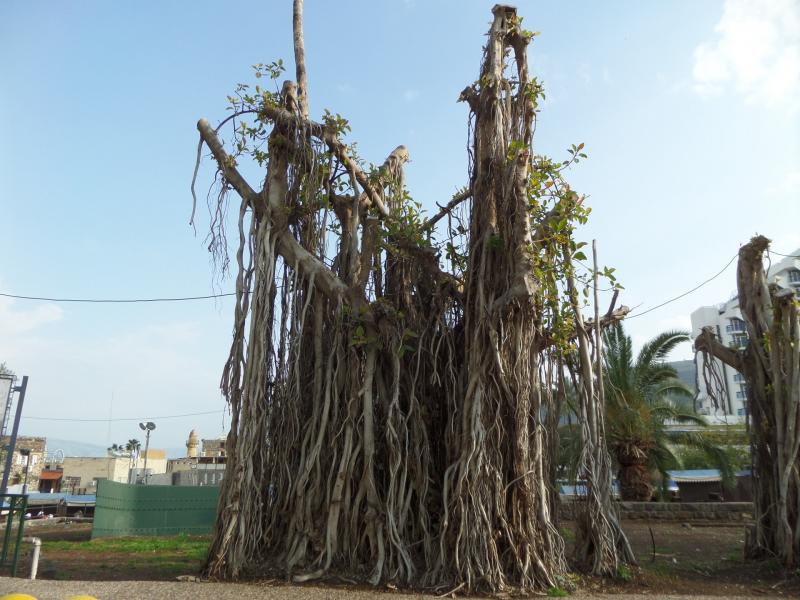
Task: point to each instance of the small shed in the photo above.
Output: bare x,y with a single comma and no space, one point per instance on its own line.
698,485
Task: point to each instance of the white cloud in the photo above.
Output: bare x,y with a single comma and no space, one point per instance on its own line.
19,320
756,51
147,369
781,195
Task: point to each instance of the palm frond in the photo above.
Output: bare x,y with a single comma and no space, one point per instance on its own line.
657,349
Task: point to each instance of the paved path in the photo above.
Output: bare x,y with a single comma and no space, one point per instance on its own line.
159,590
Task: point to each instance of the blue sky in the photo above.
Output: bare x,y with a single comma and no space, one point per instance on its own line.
689,112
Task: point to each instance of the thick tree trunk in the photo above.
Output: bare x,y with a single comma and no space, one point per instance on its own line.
497,531
771,367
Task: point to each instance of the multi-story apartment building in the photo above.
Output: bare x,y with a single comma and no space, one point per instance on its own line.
725,320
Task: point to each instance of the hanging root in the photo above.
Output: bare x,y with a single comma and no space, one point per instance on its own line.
601,545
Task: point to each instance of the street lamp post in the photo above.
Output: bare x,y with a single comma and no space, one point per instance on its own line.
147,428
27,454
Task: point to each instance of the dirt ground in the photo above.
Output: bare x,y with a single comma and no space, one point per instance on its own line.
700,560
687,561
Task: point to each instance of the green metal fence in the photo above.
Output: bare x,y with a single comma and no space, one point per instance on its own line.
13,508
126,510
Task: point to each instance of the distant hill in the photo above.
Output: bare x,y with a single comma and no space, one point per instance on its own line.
72,448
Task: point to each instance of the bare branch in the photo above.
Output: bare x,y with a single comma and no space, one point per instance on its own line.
300,58
708,342
447,208
287,246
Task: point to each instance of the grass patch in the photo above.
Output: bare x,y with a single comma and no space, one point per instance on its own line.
567,535
184,546
557,592
624,573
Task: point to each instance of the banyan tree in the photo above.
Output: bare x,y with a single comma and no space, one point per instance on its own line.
770,364
394,380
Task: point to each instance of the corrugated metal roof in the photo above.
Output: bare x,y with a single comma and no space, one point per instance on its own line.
41,499
694,475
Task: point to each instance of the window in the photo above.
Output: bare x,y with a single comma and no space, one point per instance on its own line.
736,325
738,378
794,276
71,483
740,412
740,340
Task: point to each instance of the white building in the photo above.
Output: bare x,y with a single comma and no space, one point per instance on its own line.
726,322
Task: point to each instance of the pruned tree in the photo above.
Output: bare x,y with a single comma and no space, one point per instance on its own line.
391,408
770,365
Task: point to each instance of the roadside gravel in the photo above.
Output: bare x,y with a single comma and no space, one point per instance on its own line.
159,590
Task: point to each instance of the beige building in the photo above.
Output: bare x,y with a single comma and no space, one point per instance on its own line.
214,447
207,468
36,446
81,474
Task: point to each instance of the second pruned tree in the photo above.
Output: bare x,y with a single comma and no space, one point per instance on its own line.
770,364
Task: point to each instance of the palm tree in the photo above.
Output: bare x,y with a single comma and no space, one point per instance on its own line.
132,448
116,449
643,398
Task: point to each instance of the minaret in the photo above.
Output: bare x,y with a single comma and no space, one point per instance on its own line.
192,444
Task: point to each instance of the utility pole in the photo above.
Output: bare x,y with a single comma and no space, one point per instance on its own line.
12,444
147,428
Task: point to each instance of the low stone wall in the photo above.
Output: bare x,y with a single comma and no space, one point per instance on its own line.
685,512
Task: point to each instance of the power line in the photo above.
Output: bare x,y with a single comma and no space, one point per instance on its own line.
72,420
694,289
116,300
227,294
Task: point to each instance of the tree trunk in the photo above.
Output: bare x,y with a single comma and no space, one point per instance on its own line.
600,544
771,367
635,480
